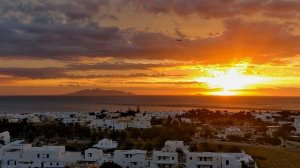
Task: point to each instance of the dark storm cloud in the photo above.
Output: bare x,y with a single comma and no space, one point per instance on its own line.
57,40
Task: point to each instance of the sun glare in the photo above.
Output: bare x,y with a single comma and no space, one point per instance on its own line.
230,81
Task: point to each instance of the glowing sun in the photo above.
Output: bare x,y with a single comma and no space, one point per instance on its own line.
230,81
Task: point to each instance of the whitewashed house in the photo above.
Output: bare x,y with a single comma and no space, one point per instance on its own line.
95,155
131,158
186,120
165,159
271,130
109,124
70,120
106,144
34,119
140,123
19,155
217,160
236,131
173,146
4,138
296,124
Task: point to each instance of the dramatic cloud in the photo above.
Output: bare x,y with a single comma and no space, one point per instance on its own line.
222,8
132,41
55,73
66,30
118,66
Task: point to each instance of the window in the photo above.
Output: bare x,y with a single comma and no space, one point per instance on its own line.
172,158
50,163
128,155
90,154
38,155
191,158
48,156
227,162
57,164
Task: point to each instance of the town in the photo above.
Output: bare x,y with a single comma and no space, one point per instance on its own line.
132,138
174,154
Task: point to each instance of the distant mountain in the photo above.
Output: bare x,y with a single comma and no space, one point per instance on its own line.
99,92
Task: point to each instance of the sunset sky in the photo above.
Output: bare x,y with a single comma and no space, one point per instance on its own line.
150,47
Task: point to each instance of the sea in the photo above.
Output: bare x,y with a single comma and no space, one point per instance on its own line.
40,104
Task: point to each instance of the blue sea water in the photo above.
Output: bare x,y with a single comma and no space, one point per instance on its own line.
27,104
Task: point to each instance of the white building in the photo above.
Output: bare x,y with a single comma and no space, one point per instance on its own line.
218,160
70,120
131,158
173,146
165,159
271,130
186,120
236,131
109,124
19,155
95,155
106,144
140,123
4,138
296,124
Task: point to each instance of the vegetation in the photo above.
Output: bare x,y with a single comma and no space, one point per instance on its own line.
110,165
30,132
77,138
154,138
273,157
265,156
268,141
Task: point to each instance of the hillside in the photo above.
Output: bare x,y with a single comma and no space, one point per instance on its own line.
99,92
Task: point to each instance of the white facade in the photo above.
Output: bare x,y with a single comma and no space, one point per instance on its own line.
69,120
106,144
4,137
96,155
296,124
131,158
236,131
186,120
165,159
19,155
121,123
271,129
173,146
211,160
